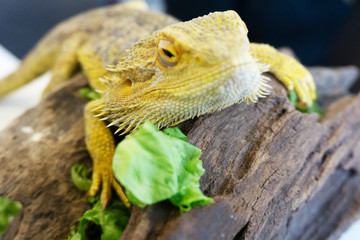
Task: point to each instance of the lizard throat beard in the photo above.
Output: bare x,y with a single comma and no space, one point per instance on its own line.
228,86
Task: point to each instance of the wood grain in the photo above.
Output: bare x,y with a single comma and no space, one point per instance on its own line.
274,172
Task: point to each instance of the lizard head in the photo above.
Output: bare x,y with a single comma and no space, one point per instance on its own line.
185,70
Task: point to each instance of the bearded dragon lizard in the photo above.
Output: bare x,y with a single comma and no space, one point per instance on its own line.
150,66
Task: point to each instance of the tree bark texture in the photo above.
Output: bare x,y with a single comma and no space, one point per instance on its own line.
274,173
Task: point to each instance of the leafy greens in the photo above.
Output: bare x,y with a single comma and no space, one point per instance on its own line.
154,166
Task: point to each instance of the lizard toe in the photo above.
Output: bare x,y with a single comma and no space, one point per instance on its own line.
95,185
105,195
119,191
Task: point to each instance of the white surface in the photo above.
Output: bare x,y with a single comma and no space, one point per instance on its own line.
353,233
13,105
28,96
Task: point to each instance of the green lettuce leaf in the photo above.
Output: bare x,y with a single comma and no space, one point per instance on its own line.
293,97
154,166
315,108
8,210
175,132
89,93
78,176
112,220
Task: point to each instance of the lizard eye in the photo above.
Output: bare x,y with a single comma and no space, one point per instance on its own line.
167,53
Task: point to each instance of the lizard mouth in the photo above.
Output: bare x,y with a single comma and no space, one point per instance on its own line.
216,90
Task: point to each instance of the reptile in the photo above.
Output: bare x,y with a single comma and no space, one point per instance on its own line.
148,65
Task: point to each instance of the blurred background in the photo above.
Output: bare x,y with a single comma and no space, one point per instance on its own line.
320,32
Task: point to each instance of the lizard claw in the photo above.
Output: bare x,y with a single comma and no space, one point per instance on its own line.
296,77
118,189
289,71
105,178
304,87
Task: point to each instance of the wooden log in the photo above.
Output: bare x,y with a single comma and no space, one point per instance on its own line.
37,152
274,172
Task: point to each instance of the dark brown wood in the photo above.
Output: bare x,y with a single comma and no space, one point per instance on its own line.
274,172
37,152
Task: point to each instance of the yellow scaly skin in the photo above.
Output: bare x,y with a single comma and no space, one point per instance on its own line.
168,74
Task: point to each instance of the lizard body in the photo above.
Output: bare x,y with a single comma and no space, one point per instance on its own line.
149,66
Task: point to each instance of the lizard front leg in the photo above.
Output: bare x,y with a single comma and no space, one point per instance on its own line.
289,71
101,146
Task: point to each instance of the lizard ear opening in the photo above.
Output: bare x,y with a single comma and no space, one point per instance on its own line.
127,83
167,53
